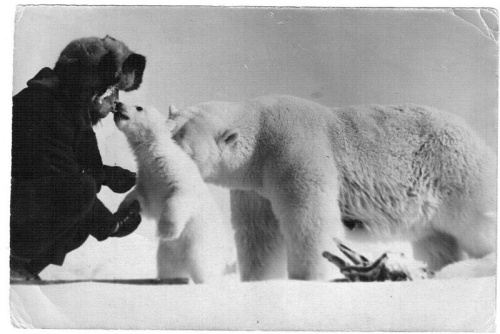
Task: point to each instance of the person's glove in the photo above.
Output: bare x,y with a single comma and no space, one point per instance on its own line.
118,179
127,220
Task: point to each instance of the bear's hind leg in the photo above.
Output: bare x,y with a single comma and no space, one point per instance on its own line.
259,241
437,250
203,267
468,227
206,248
170,260
473,221
476,234
176,214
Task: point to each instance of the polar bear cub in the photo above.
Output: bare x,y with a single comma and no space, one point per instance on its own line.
170,190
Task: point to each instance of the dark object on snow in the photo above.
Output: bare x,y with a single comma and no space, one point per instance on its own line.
57,169
388,267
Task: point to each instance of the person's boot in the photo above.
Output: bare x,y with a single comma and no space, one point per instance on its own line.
21,270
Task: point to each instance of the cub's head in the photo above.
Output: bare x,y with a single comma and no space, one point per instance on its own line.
216,138
141,124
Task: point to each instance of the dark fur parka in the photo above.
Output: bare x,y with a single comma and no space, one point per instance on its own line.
56,164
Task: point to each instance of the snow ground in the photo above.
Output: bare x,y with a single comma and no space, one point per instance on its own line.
462,300
452,305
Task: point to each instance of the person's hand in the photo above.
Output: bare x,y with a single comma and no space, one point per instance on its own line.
118,179
127,220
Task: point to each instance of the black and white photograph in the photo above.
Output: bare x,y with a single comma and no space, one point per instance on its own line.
271,168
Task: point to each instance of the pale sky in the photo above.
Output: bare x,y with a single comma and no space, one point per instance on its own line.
333,56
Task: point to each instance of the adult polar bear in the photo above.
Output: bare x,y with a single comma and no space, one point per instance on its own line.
297,170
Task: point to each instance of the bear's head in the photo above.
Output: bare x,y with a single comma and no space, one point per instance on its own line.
217,137
92,70
141,124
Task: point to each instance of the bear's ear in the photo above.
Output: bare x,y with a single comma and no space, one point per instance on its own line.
229,138
109,38
170,125
172,110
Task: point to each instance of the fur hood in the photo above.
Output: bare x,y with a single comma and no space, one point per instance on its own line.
94,64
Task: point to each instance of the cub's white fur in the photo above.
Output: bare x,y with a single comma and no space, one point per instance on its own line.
298,170
170,190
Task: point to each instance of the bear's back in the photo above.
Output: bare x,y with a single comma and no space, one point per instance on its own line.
398,161
403,161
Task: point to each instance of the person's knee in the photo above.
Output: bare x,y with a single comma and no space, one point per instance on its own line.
61,198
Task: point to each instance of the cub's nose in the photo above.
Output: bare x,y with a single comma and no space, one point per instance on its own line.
118,106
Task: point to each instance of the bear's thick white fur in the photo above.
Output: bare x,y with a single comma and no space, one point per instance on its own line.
170,190
297,169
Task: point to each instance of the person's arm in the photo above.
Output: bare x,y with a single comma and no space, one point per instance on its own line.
118,179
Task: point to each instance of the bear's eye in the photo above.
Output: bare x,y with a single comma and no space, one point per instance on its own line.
138,108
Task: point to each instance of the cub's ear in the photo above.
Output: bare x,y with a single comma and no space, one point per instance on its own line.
172,110
229,138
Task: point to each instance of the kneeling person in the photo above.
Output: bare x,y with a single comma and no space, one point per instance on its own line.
57,169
